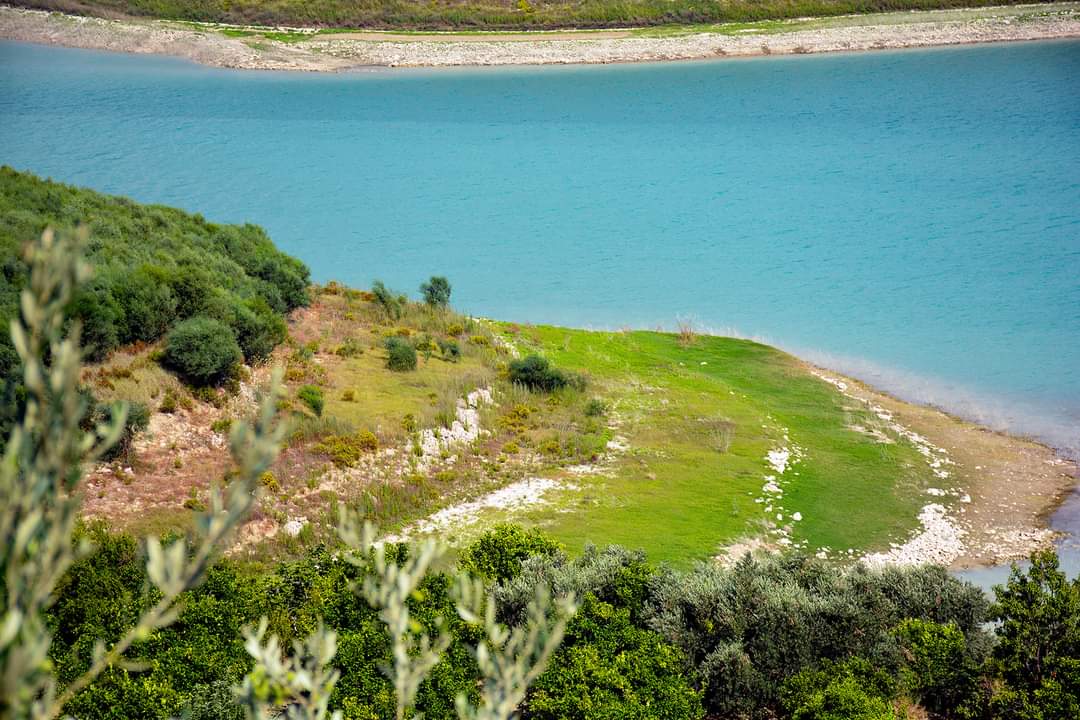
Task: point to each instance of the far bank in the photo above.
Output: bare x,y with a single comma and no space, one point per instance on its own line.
321,50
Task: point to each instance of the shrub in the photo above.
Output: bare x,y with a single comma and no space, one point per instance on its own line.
936,669
753,625
367,441
455,330
348,396
450,350
346,450
400,355
350,348
311,396
497,554
842,698
137,420
390,303
436,291
146,303
536,373
1038,648
269,481
202,351
258,329
213,701
609,668
97,311
595,407
168,403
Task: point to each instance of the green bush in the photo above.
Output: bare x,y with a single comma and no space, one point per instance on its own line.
750,627
311,396
147,305
936,669
203,351
450,350
154,266
607,668
842,698
595,407
388,301
436,291
258,328
350,348
400,355
98,313
537,374
1038,648
346,450
497,554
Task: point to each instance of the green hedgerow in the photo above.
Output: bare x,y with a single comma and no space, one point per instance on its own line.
400,355
203,351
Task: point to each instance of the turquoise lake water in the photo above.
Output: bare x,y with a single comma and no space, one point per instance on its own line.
910,217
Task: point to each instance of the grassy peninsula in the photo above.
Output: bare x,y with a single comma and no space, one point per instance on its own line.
687,446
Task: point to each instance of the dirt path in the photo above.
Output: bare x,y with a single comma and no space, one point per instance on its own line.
341,51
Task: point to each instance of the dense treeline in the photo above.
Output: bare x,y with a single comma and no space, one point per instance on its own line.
154,267
491,14
781,637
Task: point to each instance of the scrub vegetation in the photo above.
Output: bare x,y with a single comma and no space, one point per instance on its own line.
219,291
488,14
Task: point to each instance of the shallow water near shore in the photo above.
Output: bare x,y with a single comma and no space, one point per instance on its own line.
911,218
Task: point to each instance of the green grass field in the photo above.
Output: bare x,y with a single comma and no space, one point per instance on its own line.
677,495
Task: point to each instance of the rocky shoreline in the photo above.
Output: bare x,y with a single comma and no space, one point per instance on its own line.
336,52
995,494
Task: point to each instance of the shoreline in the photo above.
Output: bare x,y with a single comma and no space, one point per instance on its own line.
1014,484
337,52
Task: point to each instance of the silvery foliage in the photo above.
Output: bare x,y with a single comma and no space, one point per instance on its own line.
302,682
595,571
40,476
509,660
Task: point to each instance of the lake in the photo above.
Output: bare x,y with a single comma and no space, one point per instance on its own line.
912,218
